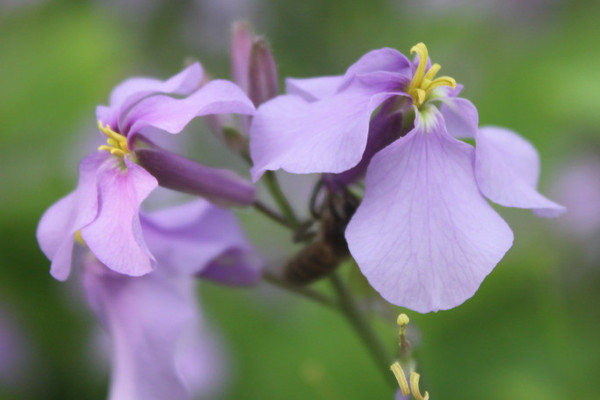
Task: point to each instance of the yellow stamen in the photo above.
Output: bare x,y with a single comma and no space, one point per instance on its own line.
401,378
424,82
116,143
79,238
403,320
414,386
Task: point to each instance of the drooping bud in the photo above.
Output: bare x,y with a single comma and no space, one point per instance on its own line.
220,186
263,82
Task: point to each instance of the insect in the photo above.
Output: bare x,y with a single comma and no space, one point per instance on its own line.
329,248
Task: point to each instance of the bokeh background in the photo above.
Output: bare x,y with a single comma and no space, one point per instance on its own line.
530,332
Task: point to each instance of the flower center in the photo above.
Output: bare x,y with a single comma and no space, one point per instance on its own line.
116,143
423,82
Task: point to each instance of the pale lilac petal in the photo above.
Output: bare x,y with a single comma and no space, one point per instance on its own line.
133,90
221,186
312,89
193,237
385,59
328,135
172,115
60,268
507,168
461,117
384,128
115,236
155,326
57,224
57,227
423,235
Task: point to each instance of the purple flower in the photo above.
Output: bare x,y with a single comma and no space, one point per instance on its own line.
161,348
578,187
424,236
103,209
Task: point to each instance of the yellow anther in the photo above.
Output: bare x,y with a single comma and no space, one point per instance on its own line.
403,320
79,238
414,386
116,143
401,378
424,82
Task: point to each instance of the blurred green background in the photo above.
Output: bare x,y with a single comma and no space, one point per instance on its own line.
530,332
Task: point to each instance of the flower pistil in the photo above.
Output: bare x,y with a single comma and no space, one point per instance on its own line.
116,143
423,82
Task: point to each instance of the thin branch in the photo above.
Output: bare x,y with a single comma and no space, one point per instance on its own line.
301,290
265,210
363,329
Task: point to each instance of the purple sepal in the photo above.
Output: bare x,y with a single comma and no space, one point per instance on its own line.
263,83
221,186
235,267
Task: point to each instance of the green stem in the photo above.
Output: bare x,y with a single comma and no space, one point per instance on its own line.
279,197
378,352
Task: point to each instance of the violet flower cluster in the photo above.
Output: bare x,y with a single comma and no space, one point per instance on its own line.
138,269
424,235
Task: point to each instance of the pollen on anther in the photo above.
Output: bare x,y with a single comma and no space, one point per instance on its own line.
116,143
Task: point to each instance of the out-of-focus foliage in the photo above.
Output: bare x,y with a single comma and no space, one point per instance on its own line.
529,333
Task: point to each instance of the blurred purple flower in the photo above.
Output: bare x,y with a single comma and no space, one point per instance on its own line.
161,348
424,236
578,188
103,209
14,352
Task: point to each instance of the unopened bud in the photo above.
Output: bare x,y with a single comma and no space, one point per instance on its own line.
241,46
263,82
220,186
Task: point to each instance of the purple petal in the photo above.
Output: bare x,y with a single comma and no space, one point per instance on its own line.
195,237
380,60
57,227
461,117
312,89
423,235
133,90
115,236
160,349
221,186
328,135
384,128
172,115
507,168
